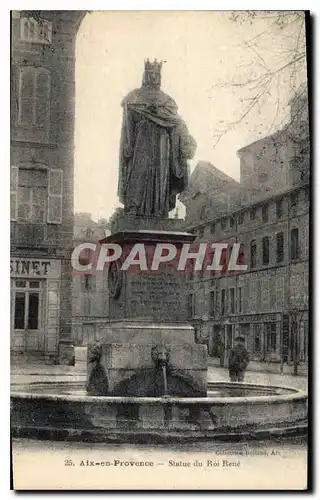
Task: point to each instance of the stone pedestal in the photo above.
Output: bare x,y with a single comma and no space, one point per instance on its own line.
148,312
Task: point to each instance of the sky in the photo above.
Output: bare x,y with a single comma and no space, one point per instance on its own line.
204,52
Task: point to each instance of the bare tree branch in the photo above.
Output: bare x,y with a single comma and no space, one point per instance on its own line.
261,85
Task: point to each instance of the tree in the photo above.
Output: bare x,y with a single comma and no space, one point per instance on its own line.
117,213
267,73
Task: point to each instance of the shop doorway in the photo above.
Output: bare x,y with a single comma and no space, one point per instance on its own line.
27,322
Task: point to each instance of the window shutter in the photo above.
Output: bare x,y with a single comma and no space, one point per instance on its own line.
14,193
26,95
55,196
305,242
42,97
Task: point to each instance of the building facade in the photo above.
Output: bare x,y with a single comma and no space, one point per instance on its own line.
267,304
90,301
42,151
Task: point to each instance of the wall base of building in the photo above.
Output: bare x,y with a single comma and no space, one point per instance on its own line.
33,358
267,367
66,353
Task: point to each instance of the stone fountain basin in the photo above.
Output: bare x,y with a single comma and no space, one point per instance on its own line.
63,411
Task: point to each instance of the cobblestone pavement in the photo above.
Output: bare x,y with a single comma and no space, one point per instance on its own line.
37,372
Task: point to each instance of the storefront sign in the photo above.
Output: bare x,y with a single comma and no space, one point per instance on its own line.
251,318
260,318
44,268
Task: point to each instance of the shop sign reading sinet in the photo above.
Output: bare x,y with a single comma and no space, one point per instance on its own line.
43,268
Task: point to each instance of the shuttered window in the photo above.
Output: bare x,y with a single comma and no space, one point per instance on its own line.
32,195
34,96
55,196
14,193
35,30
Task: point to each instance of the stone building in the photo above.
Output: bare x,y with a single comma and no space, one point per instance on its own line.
42,151
89,291
267,304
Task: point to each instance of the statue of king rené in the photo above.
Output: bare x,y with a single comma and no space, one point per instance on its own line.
154,149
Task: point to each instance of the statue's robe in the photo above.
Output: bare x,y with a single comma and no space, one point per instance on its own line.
157,171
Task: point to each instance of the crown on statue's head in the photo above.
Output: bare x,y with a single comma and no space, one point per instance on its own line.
152,66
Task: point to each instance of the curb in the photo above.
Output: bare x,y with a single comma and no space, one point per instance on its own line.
140,437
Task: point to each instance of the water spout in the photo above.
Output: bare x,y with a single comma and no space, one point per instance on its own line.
160,357
165,385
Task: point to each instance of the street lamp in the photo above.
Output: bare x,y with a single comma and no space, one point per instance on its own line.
296,318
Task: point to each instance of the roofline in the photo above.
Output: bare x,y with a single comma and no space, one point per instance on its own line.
263,139
251,205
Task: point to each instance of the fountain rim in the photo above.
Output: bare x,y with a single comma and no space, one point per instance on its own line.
293,395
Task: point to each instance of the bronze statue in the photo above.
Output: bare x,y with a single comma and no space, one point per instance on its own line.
154,149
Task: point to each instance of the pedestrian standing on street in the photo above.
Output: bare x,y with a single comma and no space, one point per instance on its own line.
238,360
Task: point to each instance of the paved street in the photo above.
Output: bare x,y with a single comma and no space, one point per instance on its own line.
36,372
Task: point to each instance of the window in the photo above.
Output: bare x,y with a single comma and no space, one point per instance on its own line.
241,217
87,306
304,342
33,313
34,284
307,194
280,247
13,193
254,294
218,302
20,283
223,302
294,197
265,213
19,313
34,90
36,195
271,336
241,256
89,281
257,339
35,31
265,293
89,233
223,223
253,214
263,177
190,306
55,196
32,196
253,254
232,221
294,247
239,299
203,212
212,303
232,301
265,250
279,208
279,295
26,304
223,259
